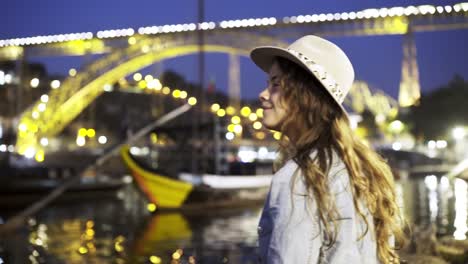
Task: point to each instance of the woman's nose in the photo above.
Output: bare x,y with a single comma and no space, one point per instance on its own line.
264,95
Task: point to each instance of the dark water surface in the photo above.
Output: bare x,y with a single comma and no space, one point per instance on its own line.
117,228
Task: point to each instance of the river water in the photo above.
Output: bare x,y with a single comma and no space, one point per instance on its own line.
116,227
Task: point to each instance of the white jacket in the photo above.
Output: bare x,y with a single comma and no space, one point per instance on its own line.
289,229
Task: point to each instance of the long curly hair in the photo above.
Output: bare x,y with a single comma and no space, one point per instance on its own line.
320,125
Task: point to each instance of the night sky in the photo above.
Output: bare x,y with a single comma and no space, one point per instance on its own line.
377,60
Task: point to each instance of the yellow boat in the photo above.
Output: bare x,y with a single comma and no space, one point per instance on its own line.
160,190
189,191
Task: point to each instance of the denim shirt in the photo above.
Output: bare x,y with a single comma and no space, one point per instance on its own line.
290,231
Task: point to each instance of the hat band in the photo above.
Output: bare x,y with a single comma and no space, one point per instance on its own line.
322,75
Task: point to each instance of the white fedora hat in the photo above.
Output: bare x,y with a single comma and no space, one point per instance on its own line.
322,58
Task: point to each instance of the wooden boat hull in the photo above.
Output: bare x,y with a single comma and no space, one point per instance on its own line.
175,194
160,190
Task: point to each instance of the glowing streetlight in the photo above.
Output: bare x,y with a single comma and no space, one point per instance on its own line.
235,120
396,126
72,72
192,101
215,107
55,84
137,77
34,82
44,142
458,133
102,140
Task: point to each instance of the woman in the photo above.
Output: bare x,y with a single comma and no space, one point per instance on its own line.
332,199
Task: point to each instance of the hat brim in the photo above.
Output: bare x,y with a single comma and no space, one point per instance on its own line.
264,57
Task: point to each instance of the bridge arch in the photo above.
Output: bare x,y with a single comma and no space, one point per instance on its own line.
46,119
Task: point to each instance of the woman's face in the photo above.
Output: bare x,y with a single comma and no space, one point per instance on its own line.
274,113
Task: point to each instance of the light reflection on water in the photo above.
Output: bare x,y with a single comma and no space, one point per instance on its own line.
461,209
119,229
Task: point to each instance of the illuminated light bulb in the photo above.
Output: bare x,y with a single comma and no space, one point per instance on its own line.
107,87
183,94
22,127
142,84
257,125
192,101
245,111
230,127
458,133
235,119
30,152
396,126
39,157
82,132
253,117
229,136
166,90
44,142
151,207
83,250
72,72
132,40
177,254
176,93
192,27
155,259
383,12
35,114
300,19
130,32
237,129
80,141
230,110
41,107
149,78
215,107
55,84
156,84
34,82
260,135
380,118
91,133
102,140
277,135
145,49
221,112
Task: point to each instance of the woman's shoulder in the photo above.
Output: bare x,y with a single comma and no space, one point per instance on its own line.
286,171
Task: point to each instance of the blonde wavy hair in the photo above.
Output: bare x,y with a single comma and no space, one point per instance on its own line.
321,125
